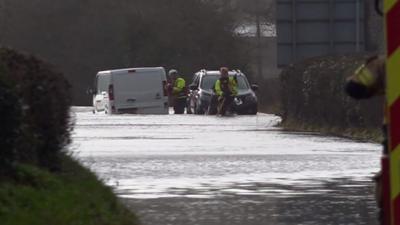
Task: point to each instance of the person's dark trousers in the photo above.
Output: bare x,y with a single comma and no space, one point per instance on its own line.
224,104
179,105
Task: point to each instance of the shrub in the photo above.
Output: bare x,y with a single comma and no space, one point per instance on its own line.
45,99
313,94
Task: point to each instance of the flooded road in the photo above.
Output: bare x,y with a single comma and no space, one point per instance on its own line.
206,170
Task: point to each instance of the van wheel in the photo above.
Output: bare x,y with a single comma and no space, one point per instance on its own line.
198,110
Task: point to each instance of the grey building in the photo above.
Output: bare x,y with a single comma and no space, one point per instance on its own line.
308,28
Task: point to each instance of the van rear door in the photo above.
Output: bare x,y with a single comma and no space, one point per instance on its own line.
100,99
138,89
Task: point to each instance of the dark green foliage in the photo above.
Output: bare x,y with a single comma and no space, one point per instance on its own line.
10,120
72,197
313,95
34,117
45,100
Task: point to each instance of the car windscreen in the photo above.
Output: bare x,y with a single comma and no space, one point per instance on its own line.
208,82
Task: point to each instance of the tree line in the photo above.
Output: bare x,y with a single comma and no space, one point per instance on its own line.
81,37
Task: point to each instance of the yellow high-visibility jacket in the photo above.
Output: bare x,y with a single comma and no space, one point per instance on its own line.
368,80
230,86
179,88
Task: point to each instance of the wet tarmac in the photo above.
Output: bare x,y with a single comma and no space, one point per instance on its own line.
205,170
337,202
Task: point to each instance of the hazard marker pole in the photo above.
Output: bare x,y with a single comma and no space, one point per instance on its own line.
392,197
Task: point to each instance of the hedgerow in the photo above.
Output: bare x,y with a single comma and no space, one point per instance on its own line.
313,96
35,101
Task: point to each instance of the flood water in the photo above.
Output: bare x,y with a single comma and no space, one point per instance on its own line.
208,170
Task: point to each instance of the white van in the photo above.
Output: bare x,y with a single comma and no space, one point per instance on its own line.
134,90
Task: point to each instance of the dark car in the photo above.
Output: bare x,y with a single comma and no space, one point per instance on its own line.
202,92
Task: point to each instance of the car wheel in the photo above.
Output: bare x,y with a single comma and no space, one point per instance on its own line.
254,111
212,110
199,110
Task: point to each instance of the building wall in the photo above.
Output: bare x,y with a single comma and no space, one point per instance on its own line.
268,53
320,27
374,33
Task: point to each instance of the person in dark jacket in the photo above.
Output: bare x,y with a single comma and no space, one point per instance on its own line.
368,81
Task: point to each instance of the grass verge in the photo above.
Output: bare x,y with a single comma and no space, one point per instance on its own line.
74,196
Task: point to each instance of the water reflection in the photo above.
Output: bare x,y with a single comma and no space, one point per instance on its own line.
339,201
200,170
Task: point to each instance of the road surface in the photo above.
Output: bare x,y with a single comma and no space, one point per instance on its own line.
243,170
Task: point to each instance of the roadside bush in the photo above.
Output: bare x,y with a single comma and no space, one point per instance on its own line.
313,96
45,99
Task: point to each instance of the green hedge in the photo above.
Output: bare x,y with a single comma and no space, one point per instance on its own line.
35,127
35,102
313,97
10,120
74,196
